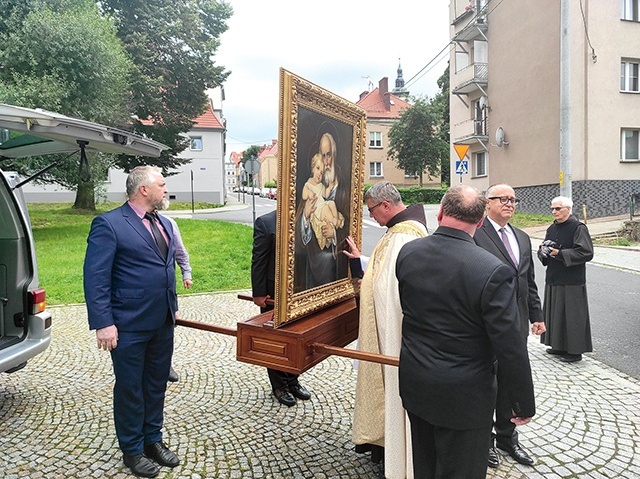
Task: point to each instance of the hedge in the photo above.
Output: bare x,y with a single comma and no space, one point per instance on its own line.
415,194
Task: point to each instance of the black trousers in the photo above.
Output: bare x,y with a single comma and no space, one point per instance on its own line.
442,453
505,430
277,378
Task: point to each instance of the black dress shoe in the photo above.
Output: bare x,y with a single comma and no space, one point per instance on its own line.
284,396
571,358
161,454
493,460
557,352
517,453
299,391
141,466
173,375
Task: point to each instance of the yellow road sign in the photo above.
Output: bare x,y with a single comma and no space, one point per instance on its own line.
461,150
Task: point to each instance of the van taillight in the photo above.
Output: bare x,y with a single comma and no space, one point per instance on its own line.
37,301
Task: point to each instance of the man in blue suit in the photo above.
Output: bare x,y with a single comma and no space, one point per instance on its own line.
130,291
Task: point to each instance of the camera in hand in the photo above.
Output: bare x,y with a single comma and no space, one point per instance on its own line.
545,250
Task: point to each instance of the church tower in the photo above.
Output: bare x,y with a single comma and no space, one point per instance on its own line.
400,90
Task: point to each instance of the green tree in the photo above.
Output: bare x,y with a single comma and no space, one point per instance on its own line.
251,153
172,44
168,47
440,104
414,141
64,56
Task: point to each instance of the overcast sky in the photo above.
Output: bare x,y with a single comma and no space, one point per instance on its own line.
335,44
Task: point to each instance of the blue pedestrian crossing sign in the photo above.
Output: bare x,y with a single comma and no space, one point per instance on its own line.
462,167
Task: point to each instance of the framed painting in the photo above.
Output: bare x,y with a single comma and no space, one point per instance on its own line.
320,194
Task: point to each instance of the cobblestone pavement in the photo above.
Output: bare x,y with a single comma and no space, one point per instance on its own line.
56,419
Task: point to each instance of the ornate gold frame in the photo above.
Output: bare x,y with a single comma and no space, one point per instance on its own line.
304,106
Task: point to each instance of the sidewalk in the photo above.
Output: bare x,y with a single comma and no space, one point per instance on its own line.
222,420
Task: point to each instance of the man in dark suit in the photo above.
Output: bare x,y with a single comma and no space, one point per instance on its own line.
513,247
458,303
130,291
286,387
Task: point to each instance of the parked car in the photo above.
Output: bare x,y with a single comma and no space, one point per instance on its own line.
25,322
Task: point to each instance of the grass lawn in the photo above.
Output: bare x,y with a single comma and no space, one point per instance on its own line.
220,252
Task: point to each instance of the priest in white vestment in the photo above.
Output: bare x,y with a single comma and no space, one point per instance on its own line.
379,419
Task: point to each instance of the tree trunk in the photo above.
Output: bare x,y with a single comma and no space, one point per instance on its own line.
421,180
85,196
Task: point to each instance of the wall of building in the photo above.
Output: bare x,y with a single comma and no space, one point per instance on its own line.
390,170
523,93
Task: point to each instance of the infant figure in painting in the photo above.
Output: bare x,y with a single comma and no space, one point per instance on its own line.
325,211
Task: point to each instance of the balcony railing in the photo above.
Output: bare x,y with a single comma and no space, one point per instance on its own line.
468,129
474,74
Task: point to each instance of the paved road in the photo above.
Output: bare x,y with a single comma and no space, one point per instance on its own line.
55,415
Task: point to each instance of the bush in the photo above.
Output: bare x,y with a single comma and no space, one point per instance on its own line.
415,194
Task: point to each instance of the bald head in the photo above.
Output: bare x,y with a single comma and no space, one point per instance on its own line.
464,203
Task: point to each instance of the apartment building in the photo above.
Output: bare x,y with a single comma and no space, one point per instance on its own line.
546,96
383,108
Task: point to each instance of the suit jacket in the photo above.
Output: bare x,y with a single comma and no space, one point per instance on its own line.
263,259
529,308
458,304
127,282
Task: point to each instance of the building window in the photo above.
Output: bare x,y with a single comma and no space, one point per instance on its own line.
375,169
629,76
480,118
630,145
375,139
196,143
480,163
630,10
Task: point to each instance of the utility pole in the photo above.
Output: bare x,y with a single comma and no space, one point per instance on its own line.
565,101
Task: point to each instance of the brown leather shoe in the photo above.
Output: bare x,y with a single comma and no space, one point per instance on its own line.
161,454
141,466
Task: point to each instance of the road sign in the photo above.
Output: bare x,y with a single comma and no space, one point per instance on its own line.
252,166
462,167
461,150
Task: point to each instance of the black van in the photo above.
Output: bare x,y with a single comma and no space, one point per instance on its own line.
25,323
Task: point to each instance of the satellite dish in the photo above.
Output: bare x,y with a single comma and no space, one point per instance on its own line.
500,137
482,101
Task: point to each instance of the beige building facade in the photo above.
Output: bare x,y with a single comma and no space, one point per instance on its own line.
542,128
383,108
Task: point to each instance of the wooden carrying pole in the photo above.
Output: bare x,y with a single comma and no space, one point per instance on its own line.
208,327
354,354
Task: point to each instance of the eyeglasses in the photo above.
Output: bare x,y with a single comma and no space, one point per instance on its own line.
557,208
505,199
374,207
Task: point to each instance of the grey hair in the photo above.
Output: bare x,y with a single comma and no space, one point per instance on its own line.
465,203
139,176
383,191
492,188
565,201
